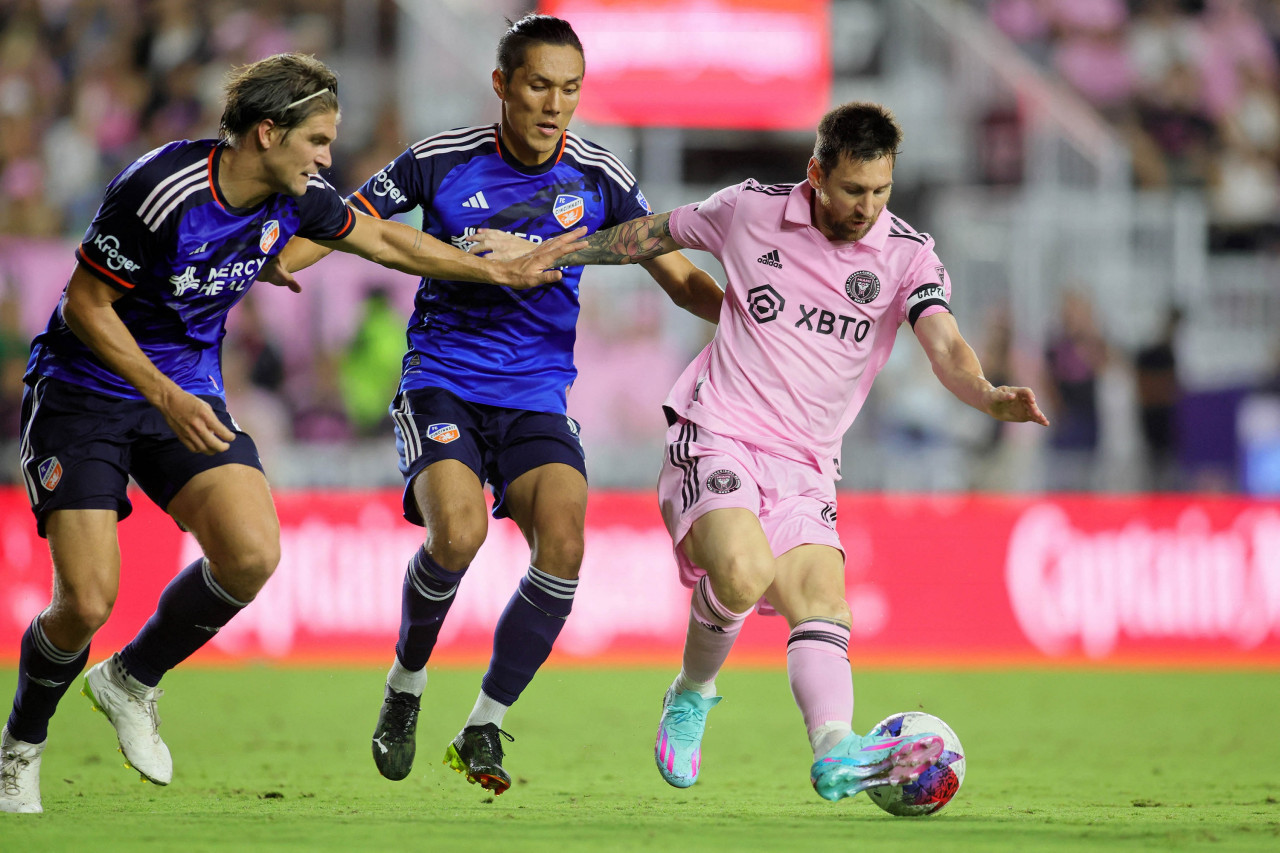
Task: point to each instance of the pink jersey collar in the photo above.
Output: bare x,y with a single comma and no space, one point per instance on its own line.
798,212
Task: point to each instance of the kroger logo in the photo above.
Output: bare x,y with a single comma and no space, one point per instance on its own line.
110,246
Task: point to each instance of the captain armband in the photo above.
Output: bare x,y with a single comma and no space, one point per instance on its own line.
926,296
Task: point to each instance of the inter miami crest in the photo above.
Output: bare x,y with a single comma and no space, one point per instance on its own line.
723,482
862,287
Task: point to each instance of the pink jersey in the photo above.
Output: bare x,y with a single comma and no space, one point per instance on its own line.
806,323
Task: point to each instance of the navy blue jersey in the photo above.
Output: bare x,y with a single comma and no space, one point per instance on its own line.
182,255
489,344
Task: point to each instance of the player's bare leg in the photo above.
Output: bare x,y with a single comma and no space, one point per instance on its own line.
549,504
450,499
55,646
229,511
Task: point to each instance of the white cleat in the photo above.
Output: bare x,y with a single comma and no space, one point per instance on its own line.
19,774
135,718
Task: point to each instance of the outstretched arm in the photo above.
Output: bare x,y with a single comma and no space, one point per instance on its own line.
689,287
957,368
629,243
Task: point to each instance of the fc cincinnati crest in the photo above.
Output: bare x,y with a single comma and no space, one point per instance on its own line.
862,287
270,233
568,209
50,472
443,433
723,482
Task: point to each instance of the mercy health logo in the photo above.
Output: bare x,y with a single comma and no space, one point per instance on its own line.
110,246
270,233
1071,588
465,241
568,209
226,278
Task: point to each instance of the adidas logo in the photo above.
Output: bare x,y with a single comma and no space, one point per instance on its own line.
770,258
477,201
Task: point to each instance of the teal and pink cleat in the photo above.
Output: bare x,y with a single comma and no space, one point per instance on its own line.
858,763
678,748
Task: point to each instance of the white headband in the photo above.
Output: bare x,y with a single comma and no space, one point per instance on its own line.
304,100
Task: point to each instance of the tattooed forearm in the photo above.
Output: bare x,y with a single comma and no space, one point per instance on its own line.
628,243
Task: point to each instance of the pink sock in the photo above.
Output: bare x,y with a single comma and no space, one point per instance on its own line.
712,630
821,683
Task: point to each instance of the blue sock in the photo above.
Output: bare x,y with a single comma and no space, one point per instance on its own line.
526,632
45,672
191,610
429,589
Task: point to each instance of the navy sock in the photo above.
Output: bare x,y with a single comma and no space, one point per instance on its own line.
429,589
191,610
45,673
526,632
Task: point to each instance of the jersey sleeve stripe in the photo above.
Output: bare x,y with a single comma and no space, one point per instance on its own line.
622,177
152,218
189,190
101,271
443,143
176,178
590,149
461,146
356,196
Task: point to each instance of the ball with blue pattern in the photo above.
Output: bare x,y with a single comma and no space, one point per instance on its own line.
937,785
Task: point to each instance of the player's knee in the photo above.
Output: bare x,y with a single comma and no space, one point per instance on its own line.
559,554
243,573
453,541
742,579
81,612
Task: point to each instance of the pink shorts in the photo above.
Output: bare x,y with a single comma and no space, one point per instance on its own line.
702,471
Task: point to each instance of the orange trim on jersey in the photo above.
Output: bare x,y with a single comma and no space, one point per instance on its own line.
358,197
564,137
212,187
346,226
84,259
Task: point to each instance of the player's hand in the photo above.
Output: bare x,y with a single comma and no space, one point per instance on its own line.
196,425
1017,405
537,267
500,245
274,272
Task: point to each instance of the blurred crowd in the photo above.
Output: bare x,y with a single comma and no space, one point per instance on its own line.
1194,86
86,86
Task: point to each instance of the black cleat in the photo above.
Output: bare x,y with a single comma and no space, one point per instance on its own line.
393,741
477,754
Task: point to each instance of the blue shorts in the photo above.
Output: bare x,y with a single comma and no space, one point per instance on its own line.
79,449
497,443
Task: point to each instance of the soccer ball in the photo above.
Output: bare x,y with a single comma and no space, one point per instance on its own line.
937,785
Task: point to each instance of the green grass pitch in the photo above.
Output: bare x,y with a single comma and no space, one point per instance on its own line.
276,759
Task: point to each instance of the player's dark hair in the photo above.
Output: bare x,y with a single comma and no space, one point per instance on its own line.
530,30
287,88
859,131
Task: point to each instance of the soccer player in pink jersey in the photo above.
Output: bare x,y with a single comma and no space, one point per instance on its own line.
820,277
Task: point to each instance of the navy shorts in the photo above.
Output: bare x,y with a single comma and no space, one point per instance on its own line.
497,443
79,449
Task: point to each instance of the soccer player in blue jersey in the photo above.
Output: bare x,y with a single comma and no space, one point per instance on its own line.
483,391
126,381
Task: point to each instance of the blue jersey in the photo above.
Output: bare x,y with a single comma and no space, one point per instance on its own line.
485,343
182,255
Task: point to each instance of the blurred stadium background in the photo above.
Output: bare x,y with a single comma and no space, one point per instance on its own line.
1103,181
